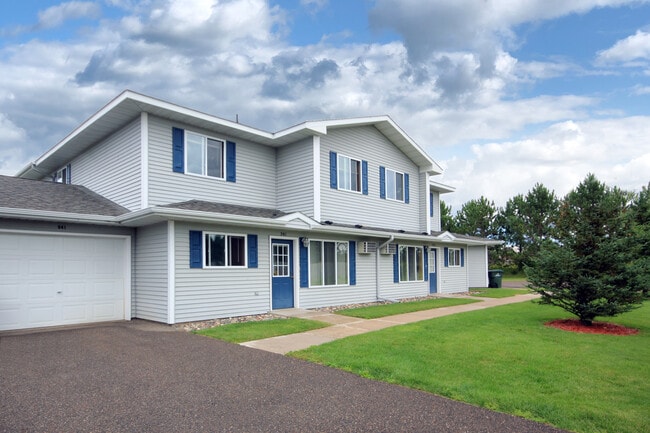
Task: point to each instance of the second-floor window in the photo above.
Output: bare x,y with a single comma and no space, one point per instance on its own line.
349,173
62,175
394,185
204,155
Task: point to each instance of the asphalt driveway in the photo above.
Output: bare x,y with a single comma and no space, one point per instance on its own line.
138,377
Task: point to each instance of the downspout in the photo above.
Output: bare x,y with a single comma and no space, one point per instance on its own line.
390,239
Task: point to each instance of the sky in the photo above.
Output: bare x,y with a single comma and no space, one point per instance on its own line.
503,94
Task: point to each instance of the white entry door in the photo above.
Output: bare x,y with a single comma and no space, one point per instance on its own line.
49,280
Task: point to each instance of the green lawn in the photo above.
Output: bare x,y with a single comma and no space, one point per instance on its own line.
505,359
384,310
249,331
498,293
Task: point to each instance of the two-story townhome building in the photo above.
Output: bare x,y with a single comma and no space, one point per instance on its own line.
155,211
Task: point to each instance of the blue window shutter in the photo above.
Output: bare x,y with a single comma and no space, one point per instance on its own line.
252,251
364,177
382,182
446,257
333,175
196,249
178,150
406,187
396,265
304,264
68,174
231,161
426,264
462,257
352,253
431,204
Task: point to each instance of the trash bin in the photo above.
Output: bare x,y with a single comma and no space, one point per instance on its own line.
494,278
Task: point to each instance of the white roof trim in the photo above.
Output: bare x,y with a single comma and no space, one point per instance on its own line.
129,103
68,217
441,187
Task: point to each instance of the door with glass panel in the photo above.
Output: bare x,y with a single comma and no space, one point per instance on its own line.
433,268
282,274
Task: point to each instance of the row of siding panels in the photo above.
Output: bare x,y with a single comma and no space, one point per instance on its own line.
424,199
256,172
435,220
111,168
477,266
295,179
208,293
367,143
452,279
150,291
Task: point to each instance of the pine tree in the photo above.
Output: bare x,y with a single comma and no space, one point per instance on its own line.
590,267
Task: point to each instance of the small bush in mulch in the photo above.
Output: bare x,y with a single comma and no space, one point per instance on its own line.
574,325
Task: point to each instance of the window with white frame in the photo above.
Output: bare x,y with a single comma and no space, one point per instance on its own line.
411,263
454,257
349,173
223,250
328,263
62,175
203,155
394,185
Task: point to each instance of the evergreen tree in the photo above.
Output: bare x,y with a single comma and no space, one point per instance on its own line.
589,267
477,218
446,219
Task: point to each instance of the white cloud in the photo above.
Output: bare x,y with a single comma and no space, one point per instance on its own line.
628,50
615,150
56,15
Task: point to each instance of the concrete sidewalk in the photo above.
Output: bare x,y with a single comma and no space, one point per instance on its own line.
344,326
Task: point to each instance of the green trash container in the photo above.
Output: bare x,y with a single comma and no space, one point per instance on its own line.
494,278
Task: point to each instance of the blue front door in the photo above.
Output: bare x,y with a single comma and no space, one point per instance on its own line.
282,274
433,268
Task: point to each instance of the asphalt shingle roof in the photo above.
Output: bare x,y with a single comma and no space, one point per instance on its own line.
205,206
17,193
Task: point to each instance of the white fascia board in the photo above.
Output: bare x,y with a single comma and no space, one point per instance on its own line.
41,215
441,187
140,218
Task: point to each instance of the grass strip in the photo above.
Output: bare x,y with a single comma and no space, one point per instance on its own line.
505,359
498,293
384,310
250,331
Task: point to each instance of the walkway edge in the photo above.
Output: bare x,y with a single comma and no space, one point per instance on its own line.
292,342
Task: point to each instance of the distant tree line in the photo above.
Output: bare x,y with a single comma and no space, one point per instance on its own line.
529,220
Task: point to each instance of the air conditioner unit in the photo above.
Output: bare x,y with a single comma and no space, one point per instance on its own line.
389,249
367,247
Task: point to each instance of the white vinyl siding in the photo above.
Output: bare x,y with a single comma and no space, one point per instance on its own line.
452,280
295,178
203,294
256,172
476,262
111,168
425,224
150,291
369,144
435,220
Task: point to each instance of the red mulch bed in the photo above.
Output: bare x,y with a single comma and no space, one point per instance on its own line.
574,325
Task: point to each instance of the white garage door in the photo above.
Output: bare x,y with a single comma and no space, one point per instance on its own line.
49,280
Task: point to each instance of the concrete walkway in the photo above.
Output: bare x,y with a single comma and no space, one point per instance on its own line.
344,326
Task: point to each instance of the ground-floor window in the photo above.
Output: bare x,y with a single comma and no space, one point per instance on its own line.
411,263
223,250
328,263
454,257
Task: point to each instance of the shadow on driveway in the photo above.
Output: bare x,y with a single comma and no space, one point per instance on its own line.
127,377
